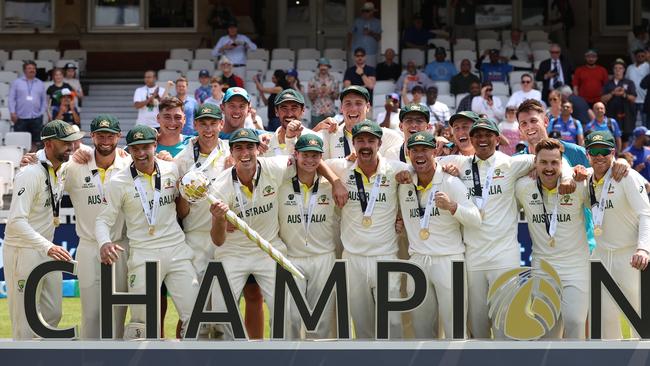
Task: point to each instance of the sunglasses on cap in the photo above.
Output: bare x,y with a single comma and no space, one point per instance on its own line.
599,151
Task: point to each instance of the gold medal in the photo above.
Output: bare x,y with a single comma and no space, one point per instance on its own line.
152,230
552,243
367,221
424,234
598,231
56,221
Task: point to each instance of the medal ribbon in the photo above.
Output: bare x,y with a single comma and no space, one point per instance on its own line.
55,199
312,202
150,211
598,206
240,198
551,227
425,215
367,206
214,154
482,200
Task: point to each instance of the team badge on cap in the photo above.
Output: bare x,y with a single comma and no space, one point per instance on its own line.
138,136
419,138
104,124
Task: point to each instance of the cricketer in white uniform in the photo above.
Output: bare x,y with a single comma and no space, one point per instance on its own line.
206,153
308,222
434,210
145,193
461,123
337,138
289,106
86,185
556,225
33,216
409,124
622,227
368,225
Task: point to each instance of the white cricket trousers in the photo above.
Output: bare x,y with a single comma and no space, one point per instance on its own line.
362,295
18,264
438,302
478,285
176,270
201,244
316,269
628,280
89,274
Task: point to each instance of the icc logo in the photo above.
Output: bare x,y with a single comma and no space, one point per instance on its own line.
524,303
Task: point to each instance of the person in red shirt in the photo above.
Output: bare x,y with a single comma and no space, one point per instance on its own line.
589,79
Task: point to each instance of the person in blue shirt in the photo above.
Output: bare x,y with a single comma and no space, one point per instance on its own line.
496,70
416,36
440,69
640,152
366,33
569,128
604,123
171,118
189,106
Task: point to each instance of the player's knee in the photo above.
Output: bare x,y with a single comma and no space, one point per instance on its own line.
134,331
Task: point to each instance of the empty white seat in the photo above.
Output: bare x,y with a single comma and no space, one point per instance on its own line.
8,76
162,84
488,44
22,139
540,55
181,54
520,63
192,75
487,34
48,54
305,76
413,54
75,54
500,88
177,64
199,64
306,64
536,35
337,75
4,113
308,54
335,53
378,99
459,55
268,75
12,153
503,98
250,76
259,54
4,56
338,65
384,87
540,45
440,42
376,111
14,65
443,87
5,126
44,64
283,53
7,168
166,75
515,76
465,44
22,55
192,86
203,54
447,99
256,64
281,64
505,34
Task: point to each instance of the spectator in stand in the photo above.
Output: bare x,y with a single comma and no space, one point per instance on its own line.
516,48
71,78
589,79
440,69
204,91
603,123
461,82
465,104
58,84
619,96
389,117
227,78
555,105
217,93
636,72
486,104
189,105
509,128
417,93
322,90
416,36
570,129
293,81
234,46
146,99
389,69
412,76
640,40
640,151
581,110
526,92
366,34
554,72
360,74
464,18
440,113
279,80
496,70
66,110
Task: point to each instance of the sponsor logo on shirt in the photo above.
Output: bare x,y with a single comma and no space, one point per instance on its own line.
566,200
323,200
268,190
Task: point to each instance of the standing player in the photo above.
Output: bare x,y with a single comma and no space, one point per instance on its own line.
289,107
33,216
460,124
86,184
145,193
412,118
622,225
556,226
308,223
368,225
434,208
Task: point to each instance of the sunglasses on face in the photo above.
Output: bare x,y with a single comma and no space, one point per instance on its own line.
599,151
526,81
490,89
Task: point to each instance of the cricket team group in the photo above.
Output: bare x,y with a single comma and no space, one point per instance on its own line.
351,190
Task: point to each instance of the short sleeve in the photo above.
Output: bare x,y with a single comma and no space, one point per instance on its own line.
370,71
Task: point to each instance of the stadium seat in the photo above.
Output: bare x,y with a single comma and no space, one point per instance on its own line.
77,54
378,99
4,92
181,54
337,75
384,87
22,55
48,54
258,65
499,88
305,76
12,153
21,139
4,113
541,55
165,75
515,87
414,54
335,53
14,65
162,84
250,75
62,62
192,86
520,64
505,34
259,54
460,97
281,64
465,44
203,54
536,35
376,110
447,99
338,65
283,54
464,54
199,64
503,98
487,34
5,125
308,54
4,56
514,77
268,75
540,45
44,64
7,169
192,75
262,111
443,87
306,64
179,65
488,44
440,42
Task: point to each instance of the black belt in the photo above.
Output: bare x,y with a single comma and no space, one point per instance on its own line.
239,65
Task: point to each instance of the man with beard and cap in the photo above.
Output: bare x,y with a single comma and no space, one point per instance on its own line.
289,107
412,118
435,209
86,185
33,216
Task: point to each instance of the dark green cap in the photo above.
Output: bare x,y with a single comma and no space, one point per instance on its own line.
60,130
244,135
414,107
289,95
486,124
356,90
421,138
367,126
464,114
105,123
208,110
309,142
600,138
141,134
